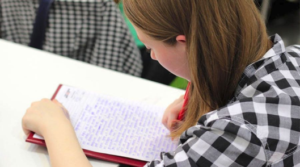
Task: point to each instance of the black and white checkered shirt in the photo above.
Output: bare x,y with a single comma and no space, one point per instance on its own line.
92,31
259,127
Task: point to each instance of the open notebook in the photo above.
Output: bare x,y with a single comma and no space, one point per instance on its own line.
114,129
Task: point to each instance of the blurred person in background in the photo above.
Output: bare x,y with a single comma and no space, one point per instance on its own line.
89,31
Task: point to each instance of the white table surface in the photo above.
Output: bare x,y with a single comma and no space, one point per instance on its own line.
28,75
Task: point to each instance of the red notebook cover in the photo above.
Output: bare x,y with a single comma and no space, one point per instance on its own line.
106,157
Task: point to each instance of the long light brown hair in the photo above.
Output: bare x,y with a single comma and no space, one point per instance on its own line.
222,38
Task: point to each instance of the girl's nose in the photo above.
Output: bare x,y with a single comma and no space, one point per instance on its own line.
153,55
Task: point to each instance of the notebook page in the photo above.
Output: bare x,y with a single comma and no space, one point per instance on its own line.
116,126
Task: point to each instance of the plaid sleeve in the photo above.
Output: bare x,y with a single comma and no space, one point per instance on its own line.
235,145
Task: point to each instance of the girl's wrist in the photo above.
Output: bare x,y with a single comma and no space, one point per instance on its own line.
57,129
62,143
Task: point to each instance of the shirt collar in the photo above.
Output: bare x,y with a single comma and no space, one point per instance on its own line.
277,49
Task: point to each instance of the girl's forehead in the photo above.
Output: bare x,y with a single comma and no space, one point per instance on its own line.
142,36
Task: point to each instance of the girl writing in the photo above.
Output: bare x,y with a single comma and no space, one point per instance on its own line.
242,107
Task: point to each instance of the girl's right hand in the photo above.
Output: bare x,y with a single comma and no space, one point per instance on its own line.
50,119
43,116
172,111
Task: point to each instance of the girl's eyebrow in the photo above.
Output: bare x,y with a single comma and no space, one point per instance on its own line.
139,38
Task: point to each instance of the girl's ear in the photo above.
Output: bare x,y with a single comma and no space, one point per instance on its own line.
180,38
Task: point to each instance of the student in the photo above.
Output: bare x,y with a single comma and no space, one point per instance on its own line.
243,102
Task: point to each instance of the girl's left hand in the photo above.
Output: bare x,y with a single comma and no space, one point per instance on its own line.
43,116
171,113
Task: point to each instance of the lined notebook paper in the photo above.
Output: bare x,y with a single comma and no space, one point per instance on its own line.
116,126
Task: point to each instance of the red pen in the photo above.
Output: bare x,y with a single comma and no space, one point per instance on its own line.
182,111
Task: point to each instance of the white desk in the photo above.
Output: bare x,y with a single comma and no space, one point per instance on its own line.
27,75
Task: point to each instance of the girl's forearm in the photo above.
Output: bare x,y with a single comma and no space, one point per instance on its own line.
64,149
